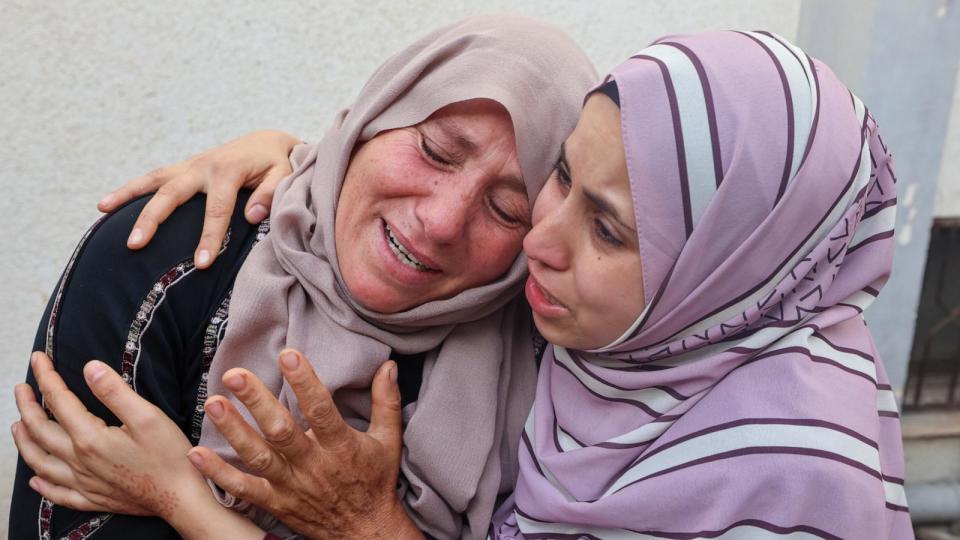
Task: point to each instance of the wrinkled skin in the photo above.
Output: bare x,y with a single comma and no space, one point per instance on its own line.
301,477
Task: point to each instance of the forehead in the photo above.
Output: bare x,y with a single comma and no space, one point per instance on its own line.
480,110
481,132
475,124
595,152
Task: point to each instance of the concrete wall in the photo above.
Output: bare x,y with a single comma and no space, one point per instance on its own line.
96,92
901,59
947,203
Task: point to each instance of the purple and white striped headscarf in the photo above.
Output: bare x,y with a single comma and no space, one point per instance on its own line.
748,399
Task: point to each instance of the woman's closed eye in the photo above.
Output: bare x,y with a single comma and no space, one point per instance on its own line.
509,214
433,152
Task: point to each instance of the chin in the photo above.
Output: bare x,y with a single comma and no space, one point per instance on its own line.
568,338
376,297
379,305
554,334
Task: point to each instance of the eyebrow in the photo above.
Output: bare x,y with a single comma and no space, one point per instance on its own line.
606,207
598,200
460,139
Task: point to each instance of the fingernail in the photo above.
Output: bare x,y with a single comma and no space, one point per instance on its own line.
35,483
234,382
215,409
195,458
108,199
257,213
203,257
290,360
14,427
33,358
94,371
136,236
393,373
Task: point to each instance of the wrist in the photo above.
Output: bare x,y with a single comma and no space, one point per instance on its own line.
284,138
393,522
192,511
198,515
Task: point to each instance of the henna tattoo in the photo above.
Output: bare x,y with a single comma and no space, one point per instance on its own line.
143,489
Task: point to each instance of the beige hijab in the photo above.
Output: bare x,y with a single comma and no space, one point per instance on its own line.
462,434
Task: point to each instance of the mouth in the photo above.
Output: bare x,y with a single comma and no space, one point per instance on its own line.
542,302
407,256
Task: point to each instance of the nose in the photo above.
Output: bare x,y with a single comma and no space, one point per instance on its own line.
547,243
445,211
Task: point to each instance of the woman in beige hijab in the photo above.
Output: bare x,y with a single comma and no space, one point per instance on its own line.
397,234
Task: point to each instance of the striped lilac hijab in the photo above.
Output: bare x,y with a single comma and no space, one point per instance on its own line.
748,399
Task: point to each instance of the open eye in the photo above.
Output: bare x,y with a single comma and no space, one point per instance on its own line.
563,175
604,234
564,178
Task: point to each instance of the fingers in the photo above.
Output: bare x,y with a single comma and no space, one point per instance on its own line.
64,404
275,421
259,203
167,198
134,188
45,432
314,401
244,486
386,422
216,220
43,464
251,447
64,496
132,409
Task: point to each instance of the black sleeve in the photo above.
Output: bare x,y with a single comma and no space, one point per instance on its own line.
145,313
142,312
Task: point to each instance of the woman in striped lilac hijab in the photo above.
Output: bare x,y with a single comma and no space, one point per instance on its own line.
719,220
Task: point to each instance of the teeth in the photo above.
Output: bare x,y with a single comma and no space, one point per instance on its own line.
402,254
547,295
550,298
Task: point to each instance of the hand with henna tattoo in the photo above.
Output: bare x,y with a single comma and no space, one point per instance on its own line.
139,468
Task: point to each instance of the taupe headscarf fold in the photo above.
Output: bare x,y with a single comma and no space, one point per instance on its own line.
462,434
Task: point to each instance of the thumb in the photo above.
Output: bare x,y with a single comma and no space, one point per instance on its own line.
385,417
112,391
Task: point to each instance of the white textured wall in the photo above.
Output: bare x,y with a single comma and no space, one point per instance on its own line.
95,92
947,204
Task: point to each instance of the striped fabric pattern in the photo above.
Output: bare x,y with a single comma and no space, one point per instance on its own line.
748,399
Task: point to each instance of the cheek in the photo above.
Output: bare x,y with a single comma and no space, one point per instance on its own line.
611,291
494,253
627,305
393,170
